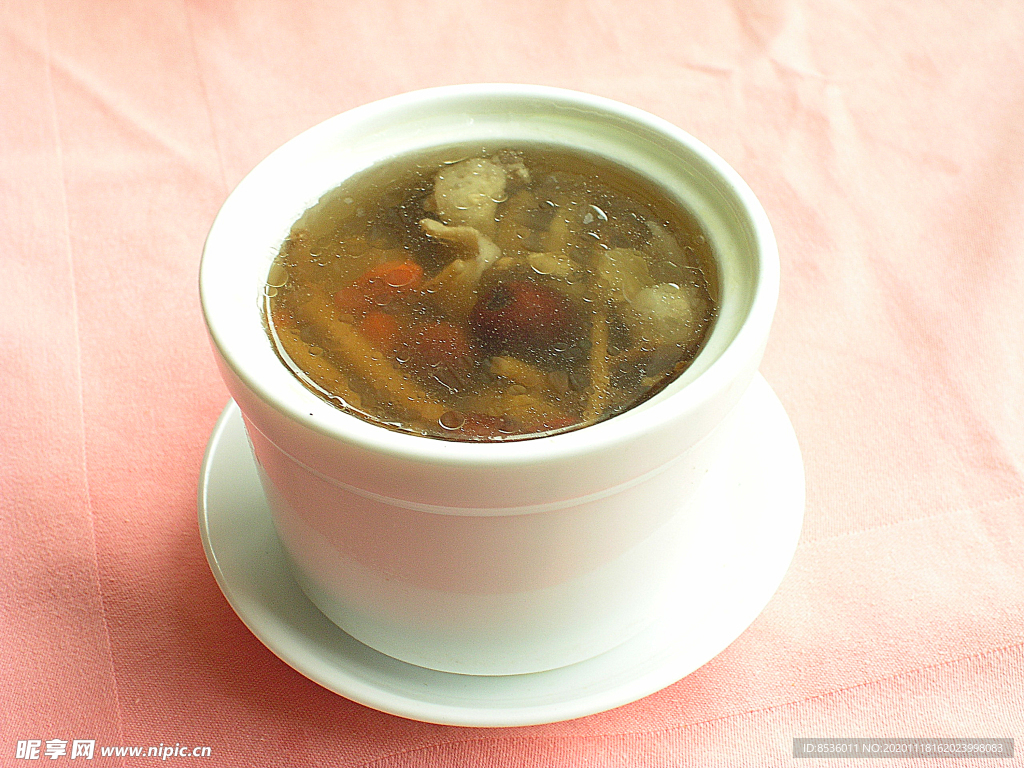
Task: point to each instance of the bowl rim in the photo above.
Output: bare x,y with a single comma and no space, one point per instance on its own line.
623,428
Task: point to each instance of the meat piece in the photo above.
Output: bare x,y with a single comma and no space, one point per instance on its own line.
515,169
467,193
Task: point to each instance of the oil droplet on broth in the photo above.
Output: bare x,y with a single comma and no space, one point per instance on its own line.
277,276
594,214
451,420
507,426
543,263
399,277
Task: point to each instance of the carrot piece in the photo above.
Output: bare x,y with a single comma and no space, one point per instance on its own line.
381,329
393,276
377,286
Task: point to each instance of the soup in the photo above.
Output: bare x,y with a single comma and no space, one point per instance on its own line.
491,295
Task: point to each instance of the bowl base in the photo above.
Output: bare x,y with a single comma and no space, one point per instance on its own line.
756,493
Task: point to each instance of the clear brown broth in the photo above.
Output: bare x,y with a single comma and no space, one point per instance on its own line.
581,290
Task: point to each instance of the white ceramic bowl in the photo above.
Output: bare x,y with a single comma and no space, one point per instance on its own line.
489,558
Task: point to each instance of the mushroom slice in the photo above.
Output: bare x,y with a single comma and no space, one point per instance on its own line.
455,285
482,249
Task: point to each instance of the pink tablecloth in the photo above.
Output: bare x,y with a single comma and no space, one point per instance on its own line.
885,141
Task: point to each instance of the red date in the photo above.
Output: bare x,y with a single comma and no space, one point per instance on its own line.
521,316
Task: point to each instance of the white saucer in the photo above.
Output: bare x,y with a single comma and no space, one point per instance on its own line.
758,497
